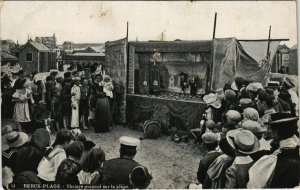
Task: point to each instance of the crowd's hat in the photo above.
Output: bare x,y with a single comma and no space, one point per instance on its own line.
106,78
76,78
14,139
244,102
53,71
286,82
243,141
210,124
129,141
211,99
219,91
253,126
234,115
273,84
281,120
234,87
253,87
209,137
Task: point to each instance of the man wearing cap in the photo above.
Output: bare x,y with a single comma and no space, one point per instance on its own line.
244,143
66,99
289,95
281,169
210,141
116,171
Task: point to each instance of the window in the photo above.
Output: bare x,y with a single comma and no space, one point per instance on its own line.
28,56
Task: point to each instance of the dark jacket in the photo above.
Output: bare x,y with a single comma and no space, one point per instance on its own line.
204,164
282,107
287,170
116,172
26,177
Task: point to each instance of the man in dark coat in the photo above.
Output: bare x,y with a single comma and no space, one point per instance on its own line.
116,171
284,172
210,140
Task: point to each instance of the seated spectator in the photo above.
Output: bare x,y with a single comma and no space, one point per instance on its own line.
48,166
140,177
27,162
210,141
244,143
258,131
215,178
12,142
91,166
67,172
69,168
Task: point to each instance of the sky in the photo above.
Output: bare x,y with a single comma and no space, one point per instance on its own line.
98,22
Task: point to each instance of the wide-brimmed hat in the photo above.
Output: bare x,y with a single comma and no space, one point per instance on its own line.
243,141
287,83
281,120
14,139
211,99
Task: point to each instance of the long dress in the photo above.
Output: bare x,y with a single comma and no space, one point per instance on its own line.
21,109
103,117
75,106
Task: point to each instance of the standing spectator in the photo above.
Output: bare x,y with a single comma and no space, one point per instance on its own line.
280,106
103,117
289,95
252,89
50,83
213,107
38,90
243,143
56,108
265,103
47,168
116,171
87,75
21,77
7,106
108,88
59,82
280,169
21,109
140,177
210,141
241,84
91,165
84,106
66,99
231,100
75,100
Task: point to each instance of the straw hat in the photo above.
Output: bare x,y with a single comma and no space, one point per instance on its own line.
211,99
243,141
14,139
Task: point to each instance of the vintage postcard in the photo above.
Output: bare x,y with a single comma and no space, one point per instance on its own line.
149,94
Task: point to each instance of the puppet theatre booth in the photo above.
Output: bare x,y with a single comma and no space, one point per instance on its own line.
165,81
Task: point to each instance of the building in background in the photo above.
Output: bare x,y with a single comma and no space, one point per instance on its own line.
6,45
293,58
50,42
34,56
281,60
6,58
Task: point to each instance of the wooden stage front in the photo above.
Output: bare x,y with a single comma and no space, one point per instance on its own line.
169,112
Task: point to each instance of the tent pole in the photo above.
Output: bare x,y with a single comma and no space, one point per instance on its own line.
210,65
268,49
